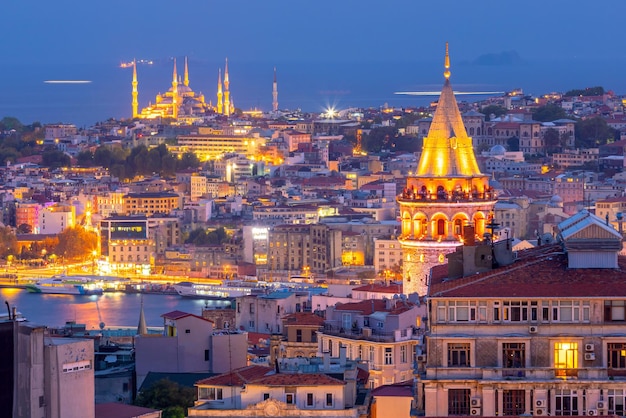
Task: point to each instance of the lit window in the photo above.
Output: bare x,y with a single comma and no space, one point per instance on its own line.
566,359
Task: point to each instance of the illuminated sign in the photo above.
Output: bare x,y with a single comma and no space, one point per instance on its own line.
260,233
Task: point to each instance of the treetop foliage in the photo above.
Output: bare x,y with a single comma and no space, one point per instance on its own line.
589,91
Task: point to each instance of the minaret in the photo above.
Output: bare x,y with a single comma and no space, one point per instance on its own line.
174,92
142,328
219,92
446,198
226,91
186,79
135,91
275,93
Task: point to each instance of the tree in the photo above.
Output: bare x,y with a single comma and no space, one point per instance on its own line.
55,158
589,91
76,243
188,160
549,112
170,397
85,159
8,122
103,157
24,229
378,138
200,236
493,110
552,141
593,132
513,143
9,242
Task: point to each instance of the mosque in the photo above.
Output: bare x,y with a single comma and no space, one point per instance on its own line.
180,101
447,193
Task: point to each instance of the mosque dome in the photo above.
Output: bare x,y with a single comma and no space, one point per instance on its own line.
495,184
556,201
497,150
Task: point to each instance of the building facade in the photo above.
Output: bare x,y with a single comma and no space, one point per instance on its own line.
541,336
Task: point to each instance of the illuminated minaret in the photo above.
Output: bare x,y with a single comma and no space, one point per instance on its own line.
186,79
135,91
220,109
174,92
226,91
275,93
447,196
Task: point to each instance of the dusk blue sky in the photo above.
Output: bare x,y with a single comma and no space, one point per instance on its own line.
42,32
324,45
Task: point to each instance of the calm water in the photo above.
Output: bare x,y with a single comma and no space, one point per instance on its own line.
116,309
310,86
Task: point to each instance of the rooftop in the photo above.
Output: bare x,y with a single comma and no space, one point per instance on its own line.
539,272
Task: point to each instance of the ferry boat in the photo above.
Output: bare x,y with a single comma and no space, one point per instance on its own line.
66,285
219,291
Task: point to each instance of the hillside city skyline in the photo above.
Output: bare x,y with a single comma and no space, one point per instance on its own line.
454,259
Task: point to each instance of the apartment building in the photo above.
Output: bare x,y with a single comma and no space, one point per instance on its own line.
382,333
150,203
542,335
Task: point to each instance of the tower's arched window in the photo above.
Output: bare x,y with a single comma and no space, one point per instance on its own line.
471,130
458,227
441,193
406,224
441,227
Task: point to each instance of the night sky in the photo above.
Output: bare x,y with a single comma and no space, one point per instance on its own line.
43,32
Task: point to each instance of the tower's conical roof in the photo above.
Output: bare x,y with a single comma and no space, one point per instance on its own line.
447,150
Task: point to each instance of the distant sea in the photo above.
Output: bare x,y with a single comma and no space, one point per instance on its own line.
309,86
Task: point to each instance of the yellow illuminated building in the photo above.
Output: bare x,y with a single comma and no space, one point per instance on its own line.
180,101
447,192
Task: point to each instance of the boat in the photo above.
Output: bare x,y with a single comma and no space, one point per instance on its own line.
66,285
218,291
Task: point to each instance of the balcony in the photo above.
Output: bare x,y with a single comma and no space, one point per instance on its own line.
371,334
411,196
522,374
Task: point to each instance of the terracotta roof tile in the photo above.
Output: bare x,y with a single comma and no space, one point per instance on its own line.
298,379
303,318
237,377
175,315
539,272
380,288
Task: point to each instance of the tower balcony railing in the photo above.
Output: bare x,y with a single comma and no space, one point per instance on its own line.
442,197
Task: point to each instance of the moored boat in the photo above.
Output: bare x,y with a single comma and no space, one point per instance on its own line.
218,291
66,285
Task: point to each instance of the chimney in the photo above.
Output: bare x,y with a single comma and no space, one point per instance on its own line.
342,355
469,235
326,361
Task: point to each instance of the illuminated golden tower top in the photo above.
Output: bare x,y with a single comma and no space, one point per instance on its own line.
447,149
186,76
219,92
135,91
